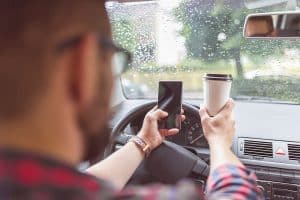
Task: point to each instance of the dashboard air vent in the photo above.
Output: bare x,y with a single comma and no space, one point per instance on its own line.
294,151
258,148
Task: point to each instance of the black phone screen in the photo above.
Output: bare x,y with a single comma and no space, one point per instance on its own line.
170,101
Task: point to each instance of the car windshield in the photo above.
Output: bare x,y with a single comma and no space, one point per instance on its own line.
184,39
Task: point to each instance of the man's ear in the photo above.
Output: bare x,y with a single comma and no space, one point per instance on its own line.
83,70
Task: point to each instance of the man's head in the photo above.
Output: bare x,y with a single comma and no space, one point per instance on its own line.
51,61
260,26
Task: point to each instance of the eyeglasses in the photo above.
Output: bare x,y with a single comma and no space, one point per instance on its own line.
121,58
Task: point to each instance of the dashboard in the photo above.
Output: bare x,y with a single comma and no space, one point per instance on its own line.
267,141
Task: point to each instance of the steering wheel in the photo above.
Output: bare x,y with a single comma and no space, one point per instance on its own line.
166,164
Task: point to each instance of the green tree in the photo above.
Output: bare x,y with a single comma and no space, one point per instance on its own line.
213,31
124,34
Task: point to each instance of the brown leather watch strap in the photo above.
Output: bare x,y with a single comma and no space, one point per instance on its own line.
141,144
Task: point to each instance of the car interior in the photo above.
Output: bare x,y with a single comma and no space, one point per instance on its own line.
181,40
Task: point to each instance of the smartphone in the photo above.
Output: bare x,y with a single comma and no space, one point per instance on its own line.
170,101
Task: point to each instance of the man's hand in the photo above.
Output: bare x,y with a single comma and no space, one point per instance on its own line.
219,130
150,132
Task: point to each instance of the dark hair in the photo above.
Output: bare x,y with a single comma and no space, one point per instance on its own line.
29,32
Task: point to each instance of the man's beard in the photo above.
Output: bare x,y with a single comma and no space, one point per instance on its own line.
93,120
95,130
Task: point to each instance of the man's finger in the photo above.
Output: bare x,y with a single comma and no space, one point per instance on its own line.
182,111
170,132
203,113
183,118
228,108
153,109
159,114
163,132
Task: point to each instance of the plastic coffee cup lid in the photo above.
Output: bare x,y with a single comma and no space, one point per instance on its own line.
218,77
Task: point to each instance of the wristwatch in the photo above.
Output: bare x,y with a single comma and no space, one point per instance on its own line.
141,144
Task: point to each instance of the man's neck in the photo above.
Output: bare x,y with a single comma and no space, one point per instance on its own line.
50,138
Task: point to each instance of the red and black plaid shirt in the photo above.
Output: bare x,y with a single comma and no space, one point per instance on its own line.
28,176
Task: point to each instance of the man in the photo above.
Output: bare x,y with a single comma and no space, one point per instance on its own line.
55,86
260,26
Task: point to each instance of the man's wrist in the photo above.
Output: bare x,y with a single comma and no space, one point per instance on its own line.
143,154
141,144
142,135
219,144
220,149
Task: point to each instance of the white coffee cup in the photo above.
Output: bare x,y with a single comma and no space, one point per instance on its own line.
216,88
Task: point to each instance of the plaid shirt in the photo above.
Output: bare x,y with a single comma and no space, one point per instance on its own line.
28,176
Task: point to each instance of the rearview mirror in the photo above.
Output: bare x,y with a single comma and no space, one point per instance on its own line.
273,25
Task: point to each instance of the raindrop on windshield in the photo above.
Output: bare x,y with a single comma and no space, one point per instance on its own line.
222,37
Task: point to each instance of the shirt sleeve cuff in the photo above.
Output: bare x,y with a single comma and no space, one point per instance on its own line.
231,179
